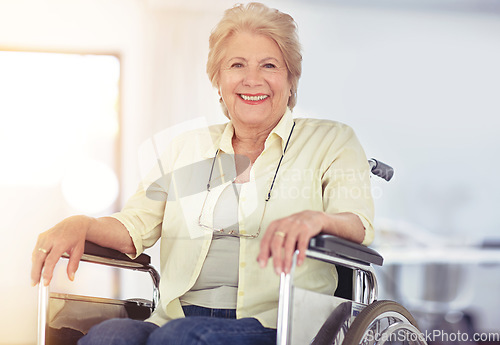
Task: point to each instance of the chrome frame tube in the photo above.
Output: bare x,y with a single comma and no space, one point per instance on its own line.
43,292
357,286
365,287
364,279
283,331
155,277
43,307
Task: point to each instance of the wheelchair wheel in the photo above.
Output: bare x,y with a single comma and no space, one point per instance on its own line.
384,322
335,327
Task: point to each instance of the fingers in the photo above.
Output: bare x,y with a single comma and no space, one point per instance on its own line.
44,262
38,260
302,245
65,237
281,244
289,245
276,247
74,261
44,259
50,263
284,236
294,241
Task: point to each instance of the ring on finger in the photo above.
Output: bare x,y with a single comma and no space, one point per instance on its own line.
45,251
280,234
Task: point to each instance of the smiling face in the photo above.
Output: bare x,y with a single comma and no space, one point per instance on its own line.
254,81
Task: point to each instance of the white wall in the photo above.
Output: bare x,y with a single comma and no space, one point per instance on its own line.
418,82
420,87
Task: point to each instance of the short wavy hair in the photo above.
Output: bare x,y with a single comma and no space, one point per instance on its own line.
259,19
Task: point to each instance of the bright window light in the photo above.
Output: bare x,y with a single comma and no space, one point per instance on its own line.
59,125
55,108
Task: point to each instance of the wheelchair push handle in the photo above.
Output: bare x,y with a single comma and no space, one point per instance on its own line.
381,169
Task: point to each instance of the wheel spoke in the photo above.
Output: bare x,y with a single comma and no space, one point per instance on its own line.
384,322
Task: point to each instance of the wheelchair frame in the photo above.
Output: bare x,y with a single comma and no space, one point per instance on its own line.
362,314
326,248
362,320
94,253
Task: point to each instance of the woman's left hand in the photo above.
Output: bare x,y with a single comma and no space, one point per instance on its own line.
285,235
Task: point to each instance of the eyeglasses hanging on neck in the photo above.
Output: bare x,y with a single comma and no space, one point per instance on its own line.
234,233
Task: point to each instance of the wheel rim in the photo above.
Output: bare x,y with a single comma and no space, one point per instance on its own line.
384,322
391,327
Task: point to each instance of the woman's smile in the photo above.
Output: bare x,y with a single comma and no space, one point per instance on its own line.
254,99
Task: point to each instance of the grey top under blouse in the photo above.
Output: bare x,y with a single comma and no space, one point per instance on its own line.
217,284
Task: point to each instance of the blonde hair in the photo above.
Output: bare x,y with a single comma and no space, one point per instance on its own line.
259,19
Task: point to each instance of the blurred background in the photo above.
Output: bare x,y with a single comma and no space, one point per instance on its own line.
83,83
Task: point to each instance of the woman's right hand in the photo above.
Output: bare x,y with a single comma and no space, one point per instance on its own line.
68,237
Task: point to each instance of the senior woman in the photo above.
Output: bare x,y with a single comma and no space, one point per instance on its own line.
300,177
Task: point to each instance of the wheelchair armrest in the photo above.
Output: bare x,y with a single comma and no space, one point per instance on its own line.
103,252
95,253
345,249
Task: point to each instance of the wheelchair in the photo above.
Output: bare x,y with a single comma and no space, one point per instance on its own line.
350,316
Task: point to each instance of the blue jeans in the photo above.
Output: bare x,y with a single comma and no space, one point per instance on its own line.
202,326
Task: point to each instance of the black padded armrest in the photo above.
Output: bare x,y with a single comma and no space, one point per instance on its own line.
345,249
96,250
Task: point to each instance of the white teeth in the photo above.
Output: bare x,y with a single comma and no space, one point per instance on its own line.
254,98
